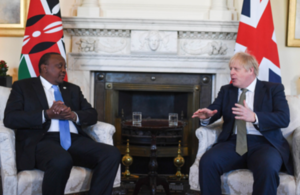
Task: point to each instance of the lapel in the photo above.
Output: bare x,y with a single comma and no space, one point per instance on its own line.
233,96
259,95
65,93
38,87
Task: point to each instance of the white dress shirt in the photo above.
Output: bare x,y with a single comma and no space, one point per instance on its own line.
49,92
250,102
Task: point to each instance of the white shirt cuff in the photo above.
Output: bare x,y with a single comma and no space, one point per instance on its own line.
205,122
77,118
43,117
256,120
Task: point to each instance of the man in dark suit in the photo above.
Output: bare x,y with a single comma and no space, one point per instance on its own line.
251,137
48,115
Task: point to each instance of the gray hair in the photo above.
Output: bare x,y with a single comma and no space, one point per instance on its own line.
246,60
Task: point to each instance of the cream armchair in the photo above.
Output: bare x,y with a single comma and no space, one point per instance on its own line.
241,181
30,182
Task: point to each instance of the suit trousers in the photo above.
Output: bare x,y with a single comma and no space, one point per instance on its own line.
262,159
57,163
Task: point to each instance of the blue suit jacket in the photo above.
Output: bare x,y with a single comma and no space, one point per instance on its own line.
271,108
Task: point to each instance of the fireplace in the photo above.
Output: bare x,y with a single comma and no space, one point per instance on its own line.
117,95
183,63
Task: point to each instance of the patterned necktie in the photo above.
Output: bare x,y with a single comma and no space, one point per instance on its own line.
64,129
241,137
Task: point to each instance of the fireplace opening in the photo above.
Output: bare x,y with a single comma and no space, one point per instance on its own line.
152,105
156,95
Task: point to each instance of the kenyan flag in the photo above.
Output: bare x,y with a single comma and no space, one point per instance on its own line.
43,34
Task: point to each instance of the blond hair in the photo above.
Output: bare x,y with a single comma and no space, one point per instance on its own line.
246,60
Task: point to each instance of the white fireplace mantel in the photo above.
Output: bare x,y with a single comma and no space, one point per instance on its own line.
148,45
72,23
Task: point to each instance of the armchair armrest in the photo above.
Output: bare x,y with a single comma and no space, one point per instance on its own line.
101,132
296,158
8,160
207,136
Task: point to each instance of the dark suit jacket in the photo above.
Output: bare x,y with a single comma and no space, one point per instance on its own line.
23,112
271,108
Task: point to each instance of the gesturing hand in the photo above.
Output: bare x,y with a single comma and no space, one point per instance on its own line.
243,112
204,113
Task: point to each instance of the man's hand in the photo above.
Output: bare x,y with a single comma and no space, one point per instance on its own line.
60,111
69,115
204,113
243,113
55,110
58,107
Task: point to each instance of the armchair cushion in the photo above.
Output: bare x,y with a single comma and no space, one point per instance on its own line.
30,182
294,106
7,160
241,182
4,93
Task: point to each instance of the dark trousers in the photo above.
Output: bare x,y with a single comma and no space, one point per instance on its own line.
262,159
57,163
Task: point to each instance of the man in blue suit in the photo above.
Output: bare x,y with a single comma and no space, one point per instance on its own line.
253,112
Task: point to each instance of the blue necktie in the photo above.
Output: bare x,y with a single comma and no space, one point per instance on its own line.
64,129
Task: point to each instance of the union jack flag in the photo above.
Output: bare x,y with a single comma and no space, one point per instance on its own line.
43,34
256,35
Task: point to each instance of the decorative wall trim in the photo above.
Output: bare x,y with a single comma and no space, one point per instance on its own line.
98,32
109,45
210,48
207,35
154,42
